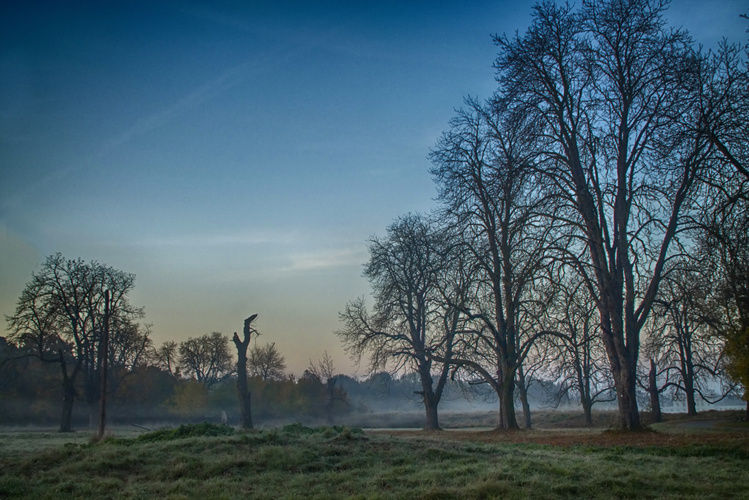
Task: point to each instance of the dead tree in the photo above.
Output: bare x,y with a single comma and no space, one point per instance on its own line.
243,392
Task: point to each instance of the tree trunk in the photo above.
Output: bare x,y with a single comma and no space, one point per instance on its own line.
691,403
432,416
243,393
587,411
245,407
431,401
104,364
523,393
623,361
655,401
583,385
689,391
507,401
626,392
66,420
329,400
68,390
526,408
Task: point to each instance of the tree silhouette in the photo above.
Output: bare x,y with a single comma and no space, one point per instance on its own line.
245,402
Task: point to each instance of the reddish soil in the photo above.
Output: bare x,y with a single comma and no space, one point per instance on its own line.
710,428
735,439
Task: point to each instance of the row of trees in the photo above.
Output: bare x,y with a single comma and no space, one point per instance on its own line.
194,379
593,210
148,395
75,319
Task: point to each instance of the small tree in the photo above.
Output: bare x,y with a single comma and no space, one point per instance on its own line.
207,358
266,362
325,372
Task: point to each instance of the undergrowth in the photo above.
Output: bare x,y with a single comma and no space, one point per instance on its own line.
185,431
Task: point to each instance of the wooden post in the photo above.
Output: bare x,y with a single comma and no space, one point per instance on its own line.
104,357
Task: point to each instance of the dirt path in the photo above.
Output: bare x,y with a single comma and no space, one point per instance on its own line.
677,434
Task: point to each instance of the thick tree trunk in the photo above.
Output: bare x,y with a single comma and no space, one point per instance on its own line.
655,400
587,411
623,360
432,416
507,402
626,392
430,399
68,390
691,403
583,386
245,405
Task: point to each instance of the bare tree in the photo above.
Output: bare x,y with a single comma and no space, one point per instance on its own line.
324,371
613,90
207,358
411,321
534,367
483,167
687,342
60,315
266,362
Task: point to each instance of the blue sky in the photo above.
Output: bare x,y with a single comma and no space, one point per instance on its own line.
236,156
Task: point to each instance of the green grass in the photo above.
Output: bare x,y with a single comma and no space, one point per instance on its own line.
335,462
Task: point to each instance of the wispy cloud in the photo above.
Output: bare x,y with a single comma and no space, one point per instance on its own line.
327,259
220,240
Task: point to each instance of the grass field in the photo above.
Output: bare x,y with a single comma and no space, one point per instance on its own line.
680,459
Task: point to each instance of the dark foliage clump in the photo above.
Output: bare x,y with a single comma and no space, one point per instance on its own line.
184,431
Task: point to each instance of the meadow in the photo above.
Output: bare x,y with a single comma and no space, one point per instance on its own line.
681,458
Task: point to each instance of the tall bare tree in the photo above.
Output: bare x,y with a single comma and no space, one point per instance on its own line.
489,189
614,91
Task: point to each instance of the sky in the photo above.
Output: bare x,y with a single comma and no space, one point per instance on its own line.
236,156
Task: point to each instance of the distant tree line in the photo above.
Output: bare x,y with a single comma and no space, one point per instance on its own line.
592,227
